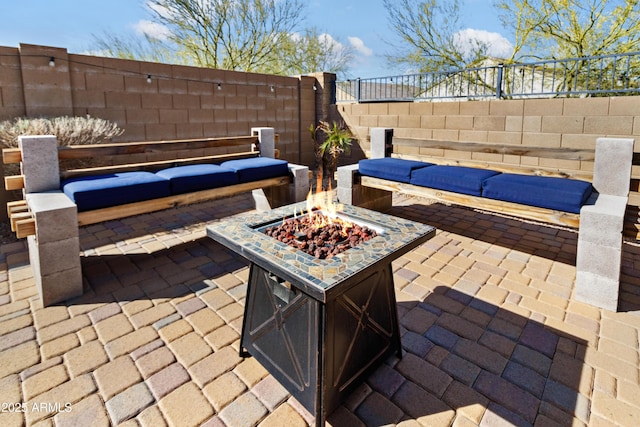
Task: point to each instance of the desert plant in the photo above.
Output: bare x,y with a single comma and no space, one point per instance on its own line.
68,130
337,140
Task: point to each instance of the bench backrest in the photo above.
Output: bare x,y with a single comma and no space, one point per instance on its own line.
569,162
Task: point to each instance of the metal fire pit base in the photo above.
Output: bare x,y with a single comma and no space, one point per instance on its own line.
319,326
319,351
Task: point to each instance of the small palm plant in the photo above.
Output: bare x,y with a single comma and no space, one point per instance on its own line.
337,140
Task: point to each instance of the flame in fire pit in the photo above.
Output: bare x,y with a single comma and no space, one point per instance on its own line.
323,201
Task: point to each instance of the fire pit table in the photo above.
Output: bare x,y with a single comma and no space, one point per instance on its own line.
319,326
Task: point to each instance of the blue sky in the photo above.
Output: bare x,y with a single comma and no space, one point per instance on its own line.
71,24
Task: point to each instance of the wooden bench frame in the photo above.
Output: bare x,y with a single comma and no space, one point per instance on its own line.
600,221
23,223
50,220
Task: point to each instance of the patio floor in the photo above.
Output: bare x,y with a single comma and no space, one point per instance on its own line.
490,332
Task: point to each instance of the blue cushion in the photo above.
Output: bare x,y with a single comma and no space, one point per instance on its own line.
562,194
390,168
185,179
458,179
101,191
257,168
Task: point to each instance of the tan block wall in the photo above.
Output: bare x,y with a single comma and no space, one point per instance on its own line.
553,123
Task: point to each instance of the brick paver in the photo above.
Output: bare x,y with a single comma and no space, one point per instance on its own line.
490,331
116,376
186,406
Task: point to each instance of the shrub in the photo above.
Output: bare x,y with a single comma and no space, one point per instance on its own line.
68,130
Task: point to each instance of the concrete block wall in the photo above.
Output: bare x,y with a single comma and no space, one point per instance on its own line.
178,102
553,123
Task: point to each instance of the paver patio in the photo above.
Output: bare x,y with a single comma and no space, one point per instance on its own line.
491,334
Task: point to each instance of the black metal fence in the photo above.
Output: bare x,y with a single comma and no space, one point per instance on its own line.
604,75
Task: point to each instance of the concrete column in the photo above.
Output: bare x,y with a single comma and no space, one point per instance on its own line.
381,139
300,188
54,250
599,255
267,141
46,88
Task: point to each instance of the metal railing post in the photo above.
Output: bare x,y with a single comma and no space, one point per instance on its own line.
499,81
358,89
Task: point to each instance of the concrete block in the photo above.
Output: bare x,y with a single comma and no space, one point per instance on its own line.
346,180
380,139
34,258
54,257
39,163
300,186
60,285
261,200
56,216
266,138
597,290
602,220
609,125
612,167
600,260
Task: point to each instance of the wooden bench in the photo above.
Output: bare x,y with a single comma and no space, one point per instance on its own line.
599,218
49,218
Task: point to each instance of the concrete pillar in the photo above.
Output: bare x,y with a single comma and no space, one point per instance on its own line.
267,141
54,250
599,255
46,88
381,143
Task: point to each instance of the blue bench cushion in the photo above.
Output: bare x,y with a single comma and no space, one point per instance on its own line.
101,191
562,194
185,179
390,168
458,179
257,168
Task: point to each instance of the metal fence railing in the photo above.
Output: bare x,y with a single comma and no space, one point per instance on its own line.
604,75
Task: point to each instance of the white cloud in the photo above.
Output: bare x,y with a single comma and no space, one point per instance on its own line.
497,45
359,46
152,29
329,41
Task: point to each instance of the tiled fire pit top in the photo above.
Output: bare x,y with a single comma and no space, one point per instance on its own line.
242,234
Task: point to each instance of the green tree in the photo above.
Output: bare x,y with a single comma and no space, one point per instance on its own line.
557,29
541,29
244,35
233,35
312,51
142,48
429,36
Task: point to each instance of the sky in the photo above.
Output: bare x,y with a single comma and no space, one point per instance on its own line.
362,24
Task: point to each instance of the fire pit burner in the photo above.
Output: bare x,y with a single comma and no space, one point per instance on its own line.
320,326
318,235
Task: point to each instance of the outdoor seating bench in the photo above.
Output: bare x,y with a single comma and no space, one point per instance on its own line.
594,203
144,177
